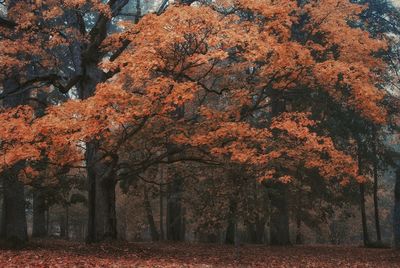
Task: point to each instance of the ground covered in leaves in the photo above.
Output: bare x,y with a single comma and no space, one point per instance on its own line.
57,253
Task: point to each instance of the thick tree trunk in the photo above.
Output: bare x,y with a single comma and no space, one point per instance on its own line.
15,227
39,215
106,220
175,219
231,229
396,212
149,213
102,220
13,218
280,216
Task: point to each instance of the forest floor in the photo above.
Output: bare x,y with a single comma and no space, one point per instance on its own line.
56,253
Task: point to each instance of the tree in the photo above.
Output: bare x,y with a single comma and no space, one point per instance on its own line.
243,72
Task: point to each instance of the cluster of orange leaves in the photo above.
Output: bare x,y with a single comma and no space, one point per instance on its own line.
199,59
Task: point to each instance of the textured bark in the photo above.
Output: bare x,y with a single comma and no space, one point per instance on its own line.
162,236
362,197
15,227
230,229
101,174
13,218
102,222
39,215
299,237
376,178
279,232
175,219
363,215
150,219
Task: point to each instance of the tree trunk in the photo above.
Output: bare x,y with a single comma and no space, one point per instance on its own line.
102,220
376,204
14,218
175,220
363,215
67,222
39,215
62,226
280,216
106,220
279,230
149,213
161,213
396,213
15,227
230,230
362,196
161,174
299,238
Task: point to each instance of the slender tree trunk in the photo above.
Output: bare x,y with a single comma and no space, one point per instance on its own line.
362,197
299,238
376,177
67,222
91,177
39,218
161,173
363,215
48,221
62,225
396,212
149,213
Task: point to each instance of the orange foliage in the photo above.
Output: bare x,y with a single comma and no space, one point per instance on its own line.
221,70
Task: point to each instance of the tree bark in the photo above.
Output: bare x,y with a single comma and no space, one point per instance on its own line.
149,213
363,215
14,218
230,230
362,197
175,219
102,220
39,215
161,213
299,238
376,200
67,222
15,227
280,217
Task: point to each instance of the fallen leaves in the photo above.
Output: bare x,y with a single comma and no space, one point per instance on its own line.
57,253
